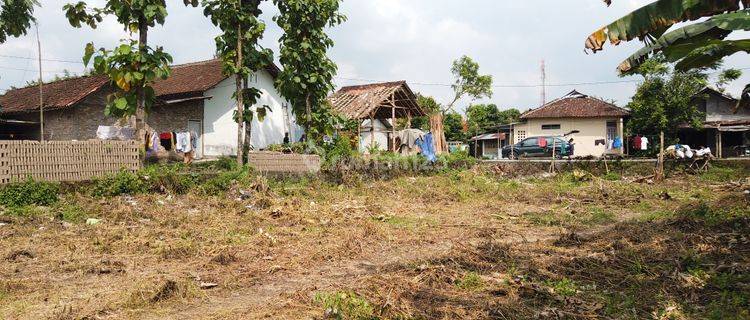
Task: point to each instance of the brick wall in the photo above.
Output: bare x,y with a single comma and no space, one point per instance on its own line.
81,121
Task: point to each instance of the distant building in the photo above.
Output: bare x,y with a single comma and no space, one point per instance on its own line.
726,128
599,123
196,97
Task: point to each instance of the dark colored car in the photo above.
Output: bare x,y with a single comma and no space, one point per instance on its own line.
531,147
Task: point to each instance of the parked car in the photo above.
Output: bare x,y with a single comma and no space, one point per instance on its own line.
531,147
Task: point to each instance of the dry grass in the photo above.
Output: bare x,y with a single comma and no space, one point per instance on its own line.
454,245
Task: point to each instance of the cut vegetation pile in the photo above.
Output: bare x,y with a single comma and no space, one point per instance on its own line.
219,242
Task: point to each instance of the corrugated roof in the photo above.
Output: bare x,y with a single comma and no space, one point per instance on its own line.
359,102
576,105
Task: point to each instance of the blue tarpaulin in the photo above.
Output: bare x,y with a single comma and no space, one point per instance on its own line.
427,147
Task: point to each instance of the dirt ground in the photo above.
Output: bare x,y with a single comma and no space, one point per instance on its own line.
456,245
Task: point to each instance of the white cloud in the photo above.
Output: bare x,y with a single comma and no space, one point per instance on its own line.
413,40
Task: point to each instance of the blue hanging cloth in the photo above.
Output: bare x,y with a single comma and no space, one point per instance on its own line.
428,148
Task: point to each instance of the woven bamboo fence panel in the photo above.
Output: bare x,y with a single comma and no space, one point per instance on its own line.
274,162
65,161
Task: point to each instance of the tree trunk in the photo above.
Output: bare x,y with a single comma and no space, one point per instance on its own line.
660,169
140,111
308,115
240,100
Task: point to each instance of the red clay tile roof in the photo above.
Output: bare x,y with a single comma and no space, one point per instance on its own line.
358,102
196,77
57,95
186,79
576,105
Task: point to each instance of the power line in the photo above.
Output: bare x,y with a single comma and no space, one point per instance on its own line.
48,60
47,71
506,85
523,85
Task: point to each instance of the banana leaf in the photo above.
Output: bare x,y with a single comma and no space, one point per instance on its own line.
706,54
651,21
697,35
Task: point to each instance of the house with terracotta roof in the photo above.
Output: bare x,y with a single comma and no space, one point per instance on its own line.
197,97
598,123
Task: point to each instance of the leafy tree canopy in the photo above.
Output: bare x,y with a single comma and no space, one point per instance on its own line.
664,100
307,76
453,125
468,82
231,17
482,117
133,66
430,105
16,17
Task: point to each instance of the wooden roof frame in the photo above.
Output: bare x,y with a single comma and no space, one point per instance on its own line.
377,101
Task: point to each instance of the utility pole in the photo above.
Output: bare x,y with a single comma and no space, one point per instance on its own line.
41,85
544,84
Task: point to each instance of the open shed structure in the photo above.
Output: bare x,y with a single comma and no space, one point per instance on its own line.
377,106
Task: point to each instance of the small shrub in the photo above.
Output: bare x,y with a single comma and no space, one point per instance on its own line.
612,176
28,193
122,183
457,160
470,281
564,287
221,183
169,178
345,305
71,213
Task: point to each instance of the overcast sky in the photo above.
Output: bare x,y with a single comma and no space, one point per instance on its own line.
387,40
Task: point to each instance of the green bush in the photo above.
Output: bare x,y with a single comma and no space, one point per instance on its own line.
340,150
345,305
169,178
221,183
457,160
124,182
30,192
71,213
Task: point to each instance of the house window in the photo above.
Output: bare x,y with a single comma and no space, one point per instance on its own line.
551,127
611,130
520,135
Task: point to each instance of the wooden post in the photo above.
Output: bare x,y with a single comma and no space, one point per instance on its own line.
660,170
372,130
41,86
408,119
393,126
719,143
359,135
554,154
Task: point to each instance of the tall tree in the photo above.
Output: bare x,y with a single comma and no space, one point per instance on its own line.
242,56
482,117
16,17
468,82
133,66
454,126
663,102
307,78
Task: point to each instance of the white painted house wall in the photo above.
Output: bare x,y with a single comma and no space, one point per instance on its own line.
220,129
381,136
